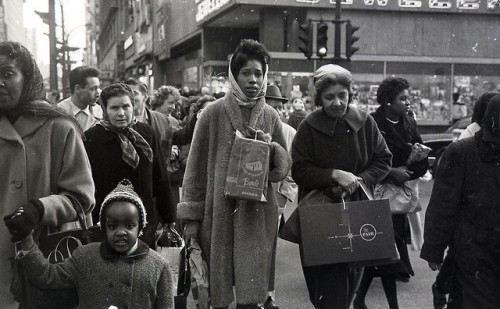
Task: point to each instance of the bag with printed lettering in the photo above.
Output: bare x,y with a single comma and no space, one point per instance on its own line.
248,169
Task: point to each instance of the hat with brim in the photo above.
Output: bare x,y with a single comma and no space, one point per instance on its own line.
273,92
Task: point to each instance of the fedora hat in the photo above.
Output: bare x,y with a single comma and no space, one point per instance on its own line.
273,92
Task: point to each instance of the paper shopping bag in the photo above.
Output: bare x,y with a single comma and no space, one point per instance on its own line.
248,169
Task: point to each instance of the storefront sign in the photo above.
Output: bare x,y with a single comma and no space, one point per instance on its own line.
464,6
207,7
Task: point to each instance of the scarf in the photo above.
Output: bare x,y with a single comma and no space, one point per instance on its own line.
128,139
241,98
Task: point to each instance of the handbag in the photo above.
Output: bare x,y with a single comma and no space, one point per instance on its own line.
171,247
56,247
403,199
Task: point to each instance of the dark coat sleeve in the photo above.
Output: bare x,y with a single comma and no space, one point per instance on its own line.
185,135
380,163
304,172
441,217
161,184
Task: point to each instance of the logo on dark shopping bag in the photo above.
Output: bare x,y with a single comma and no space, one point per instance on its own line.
368,232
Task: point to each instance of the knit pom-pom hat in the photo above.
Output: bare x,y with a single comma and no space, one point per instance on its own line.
124,191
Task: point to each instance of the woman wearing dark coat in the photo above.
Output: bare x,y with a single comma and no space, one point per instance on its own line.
464,214
336,147
400,133
120,147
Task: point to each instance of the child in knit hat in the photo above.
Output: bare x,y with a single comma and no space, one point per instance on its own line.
121,271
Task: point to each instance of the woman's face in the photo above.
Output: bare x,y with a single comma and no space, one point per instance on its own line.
335,99
120,111
401,103
250,78
11,83
122,225
168,105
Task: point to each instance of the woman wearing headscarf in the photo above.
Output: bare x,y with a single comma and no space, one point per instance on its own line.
464,214
236,236
400,133
43,164
335,148
121,147
477,114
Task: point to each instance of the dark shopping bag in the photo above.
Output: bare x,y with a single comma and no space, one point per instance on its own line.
171,247
349,232
248,169
56,247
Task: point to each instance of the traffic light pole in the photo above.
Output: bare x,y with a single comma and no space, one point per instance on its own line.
338,31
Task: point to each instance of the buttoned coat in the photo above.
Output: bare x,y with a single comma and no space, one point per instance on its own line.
237,242
41,159
103,278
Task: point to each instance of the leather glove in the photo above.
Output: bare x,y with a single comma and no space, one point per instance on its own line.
22,222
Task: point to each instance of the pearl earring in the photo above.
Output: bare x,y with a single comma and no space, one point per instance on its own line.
388,104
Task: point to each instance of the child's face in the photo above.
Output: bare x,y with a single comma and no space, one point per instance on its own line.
122,225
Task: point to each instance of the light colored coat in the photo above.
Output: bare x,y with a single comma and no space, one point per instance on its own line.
45,159
237,242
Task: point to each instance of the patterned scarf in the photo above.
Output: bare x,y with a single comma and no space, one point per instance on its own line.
241,98
128,139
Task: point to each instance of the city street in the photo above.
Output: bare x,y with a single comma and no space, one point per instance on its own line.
291,291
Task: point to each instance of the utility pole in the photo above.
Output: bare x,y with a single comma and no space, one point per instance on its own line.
63,55
338,31
53,46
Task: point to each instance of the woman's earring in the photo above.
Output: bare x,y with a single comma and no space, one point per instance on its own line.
388,104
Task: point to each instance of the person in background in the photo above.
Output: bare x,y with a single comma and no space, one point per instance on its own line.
477,114
298,114
102,273
445,278
285,190
458,107
400,133
164,101
464,215
335,148
235,235
43,164
121,147
85,86
53,96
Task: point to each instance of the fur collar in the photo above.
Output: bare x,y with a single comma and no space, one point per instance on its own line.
354,118
233,110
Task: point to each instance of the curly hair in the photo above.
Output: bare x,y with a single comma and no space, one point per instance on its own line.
78,76
116,90
246,50
162,93
389,88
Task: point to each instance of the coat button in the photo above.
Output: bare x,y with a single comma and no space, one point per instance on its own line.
18,183
19,146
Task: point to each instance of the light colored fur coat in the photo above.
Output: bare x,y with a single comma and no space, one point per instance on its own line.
237,241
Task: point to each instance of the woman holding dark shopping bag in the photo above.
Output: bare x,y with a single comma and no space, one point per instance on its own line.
43,164
236,236
336,147
400,133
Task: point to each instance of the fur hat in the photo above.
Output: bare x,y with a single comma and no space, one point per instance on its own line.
124,191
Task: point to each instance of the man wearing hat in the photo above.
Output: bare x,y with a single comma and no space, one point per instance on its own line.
285,190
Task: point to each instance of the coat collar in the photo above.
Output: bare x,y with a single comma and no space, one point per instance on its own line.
233,110
354,117
24,126
108,253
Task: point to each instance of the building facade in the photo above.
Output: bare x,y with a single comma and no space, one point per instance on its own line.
440,46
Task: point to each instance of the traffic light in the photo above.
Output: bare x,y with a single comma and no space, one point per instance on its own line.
350,39
305,39
321,39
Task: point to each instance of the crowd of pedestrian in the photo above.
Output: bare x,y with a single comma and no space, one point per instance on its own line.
134,161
